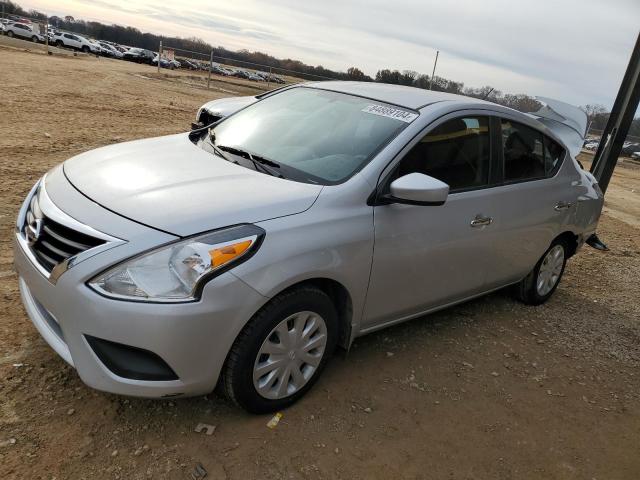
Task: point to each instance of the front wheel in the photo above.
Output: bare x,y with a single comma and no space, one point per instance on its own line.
34,39
281,352
10,34
537,287
85,49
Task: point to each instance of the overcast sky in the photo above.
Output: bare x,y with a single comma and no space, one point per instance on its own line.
573,50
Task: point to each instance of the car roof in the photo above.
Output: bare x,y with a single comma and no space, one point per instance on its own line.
403,96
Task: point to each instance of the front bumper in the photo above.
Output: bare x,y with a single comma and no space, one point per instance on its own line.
192,338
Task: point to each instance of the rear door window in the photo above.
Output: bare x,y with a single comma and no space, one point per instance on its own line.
553,155
523,152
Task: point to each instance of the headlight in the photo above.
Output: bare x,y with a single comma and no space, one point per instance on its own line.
177,272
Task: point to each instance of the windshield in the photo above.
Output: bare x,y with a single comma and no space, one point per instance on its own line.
314,135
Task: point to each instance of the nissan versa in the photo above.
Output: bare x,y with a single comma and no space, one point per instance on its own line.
241,254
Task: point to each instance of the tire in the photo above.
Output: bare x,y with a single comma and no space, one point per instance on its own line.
533,289
304,308
34,39
59,43
10,34
85,49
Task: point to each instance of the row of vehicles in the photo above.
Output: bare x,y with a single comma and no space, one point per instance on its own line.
29,31
257,76
629,149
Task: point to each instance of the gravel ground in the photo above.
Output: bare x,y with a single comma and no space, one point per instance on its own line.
488,389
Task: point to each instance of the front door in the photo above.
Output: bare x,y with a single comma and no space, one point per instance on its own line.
428,256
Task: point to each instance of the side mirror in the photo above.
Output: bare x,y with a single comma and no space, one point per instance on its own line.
418,189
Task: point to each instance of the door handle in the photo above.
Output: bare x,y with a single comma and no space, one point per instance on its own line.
481,221
562,206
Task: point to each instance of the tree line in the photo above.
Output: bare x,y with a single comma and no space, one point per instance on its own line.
130,36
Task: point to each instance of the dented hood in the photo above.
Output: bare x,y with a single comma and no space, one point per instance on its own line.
171,184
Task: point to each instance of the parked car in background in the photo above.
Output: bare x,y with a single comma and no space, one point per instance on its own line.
164,63
109,50
247,255
629,148
119,48
191,65
22,30
50,35
75,41
223,107
175,64
636,155
139,55
255,77
241,74
101,50
215,110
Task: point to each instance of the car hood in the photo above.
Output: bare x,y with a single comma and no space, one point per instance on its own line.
173,185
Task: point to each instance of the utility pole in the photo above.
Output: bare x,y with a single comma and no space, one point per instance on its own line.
46,33
159,56
210,68
434,70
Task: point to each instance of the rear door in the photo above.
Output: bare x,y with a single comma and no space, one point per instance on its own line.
534,204
428,256
72,40
22,30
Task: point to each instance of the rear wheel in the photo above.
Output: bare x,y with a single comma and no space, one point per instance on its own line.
10,34
59,43
282,351
537,287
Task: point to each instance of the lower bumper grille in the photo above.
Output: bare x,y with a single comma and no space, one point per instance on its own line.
131,362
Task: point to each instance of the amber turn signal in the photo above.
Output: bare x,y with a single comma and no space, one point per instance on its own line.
222,255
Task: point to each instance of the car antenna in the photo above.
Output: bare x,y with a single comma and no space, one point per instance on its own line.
487,94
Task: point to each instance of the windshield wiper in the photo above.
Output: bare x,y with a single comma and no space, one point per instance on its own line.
259,162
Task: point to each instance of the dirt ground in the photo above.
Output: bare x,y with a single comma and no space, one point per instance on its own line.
490,389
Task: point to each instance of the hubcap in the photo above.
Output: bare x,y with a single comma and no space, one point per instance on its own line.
550,270
290,355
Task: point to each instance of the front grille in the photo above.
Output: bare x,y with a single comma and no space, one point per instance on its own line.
50,242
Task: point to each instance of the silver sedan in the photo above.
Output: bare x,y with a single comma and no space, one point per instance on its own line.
243,253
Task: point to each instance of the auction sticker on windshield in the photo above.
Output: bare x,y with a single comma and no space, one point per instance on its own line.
391,112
